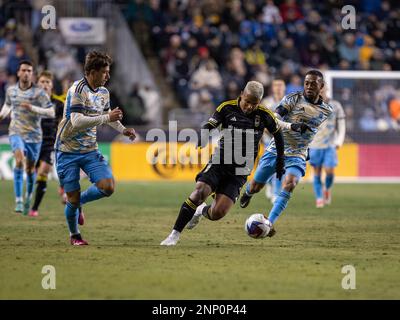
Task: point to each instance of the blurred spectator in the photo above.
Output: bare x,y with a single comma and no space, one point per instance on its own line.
295,84
152,103
201,101
394,108
271,13
14,60
348,50
62,64
135,109
368,121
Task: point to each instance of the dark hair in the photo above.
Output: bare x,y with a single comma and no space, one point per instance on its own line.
47,74
29,63
96,60
315,72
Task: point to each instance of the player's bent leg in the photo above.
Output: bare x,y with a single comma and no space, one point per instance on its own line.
250,189
72,215
292,178
318,189
187,211
30,183
101,189
41,186
219,208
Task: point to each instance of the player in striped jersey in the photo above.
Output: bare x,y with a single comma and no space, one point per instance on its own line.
87,106
328,139
306,107
27,104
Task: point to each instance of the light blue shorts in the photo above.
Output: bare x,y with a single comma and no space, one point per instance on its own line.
326,157
266,167
68,167
31,150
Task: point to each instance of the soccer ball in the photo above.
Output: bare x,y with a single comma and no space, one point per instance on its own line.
257,226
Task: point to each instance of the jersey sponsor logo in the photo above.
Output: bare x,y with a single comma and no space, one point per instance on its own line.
233,119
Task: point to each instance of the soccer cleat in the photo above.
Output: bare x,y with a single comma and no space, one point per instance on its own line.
244,200
272,231
19,207
196,217
81,217
76,240
327,196
172,239
33,213
319,203
27,206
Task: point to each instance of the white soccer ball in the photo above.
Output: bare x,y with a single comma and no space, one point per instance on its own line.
257,226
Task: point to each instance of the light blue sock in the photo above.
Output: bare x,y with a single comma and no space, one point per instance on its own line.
277,187
279,205
30,183
318,187
18,183
329,181
92,193
71,214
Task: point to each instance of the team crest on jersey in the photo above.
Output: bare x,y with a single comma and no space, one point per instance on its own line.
257,121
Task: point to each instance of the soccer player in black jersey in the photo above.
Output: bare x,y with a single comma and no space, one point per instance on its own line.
49,129
224,174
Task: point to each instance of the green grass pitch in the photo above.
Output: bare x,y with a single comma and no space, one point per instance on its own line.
216,260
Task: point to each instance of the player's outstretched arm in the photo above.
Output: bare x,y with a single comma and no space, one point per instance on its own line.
280,158
5,111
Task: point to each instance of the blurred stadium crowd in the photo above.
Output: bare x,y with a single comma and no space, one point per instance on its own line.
209,49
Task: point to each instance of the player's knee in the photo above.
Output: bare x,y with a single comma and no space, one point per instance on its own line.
107,187
200,193
74,198
289,185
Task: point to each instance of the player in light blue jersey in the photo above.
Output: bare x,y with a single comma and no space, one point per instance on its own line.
328,139
27,104
309,109
87,105
273,186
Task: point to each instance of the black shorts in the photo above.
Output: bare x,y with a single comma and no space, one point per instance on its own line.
46,153
222,179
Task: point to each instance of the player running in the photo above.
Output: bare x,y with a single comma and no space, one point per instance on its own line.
27,104
87,106
49,129
329,138
305,107
221,175
274,186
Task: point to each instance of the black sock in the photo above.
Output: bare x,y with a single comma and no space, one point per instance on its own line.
40,191
204,212
185,215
